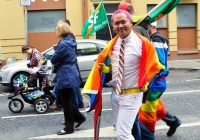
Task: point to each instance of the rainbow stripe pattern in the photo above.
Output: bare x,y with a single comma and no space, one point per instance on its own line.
121,68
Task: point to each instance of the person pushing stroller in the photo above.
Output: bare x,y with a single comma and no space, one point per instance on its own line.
36,63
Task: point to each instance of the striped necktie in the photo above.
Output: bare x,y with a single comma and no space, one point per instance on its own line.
121,68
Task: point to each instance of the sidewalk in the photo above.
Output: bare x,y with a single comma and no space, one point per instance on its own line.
193,64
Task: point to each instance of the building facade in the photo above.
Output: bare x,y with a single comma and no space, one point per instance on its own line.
37,29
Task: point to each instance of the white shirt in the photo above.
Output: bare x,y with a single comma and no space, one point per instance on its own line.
132,55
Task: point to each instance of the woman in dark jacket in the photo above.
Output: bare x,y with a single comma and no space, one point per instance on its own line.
67,77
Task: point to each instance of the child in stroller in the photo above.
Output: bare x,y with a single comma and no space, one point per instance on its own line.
34,90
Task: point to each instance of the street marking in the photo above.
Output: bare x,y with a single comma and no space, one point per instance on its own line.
165,93
193,80
4,94
34,115
176,92
104,132
182,125
48,114
106,93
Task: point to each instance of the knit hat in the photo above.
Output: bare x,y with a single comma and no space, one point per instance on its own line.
126,6
154,23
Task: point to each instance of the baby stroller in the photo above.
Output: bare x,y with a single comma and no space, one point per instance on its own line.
34,90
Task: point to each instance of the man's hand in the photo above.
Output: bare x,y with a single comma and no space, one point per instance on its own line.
143,89
101,65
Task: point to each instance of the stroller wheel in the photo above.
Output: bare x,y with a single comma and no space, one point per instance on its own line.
16,105
41,106
48,99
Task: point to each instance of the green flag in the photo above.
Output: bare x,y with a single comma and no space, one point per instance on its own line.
96,21
162,9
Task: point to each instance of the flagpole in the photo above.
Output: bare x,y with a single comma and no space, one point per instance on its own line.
110,31
149,13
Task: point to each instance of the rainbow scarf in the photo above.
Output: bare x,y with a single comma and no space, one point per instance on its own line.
149,66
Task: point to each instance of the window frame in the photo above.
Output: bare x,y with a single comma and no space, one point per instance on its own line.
195,12
32,26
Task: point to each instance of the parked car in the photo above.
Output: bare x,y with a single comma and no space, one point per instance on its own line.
87,52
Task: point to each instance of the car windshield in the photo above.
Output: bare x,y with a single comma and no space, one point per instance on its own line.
83,49
48,54
86,48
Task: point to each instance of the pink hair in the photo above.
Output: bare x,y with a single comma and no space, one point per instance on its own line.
120,11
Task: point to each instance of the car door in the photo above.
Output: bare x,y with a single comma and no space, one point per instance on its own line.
87,53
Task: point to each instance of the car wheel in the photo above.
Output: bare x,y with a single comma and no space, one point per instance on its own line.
16,105
14,85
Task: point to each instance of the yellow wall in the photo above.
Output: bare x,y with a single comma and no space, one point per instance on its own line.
12,28
172,29
74,14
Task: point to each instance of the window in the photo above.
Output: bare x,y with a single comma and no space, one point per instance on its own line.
186,15
163,21
110,8
44,21
49,54
86,49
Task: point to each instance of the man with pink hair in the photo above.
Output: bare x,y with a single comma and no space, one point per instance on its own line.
131,71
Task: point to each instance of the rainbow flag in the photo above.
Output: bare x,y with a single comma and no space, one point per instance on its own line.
150,112
92,90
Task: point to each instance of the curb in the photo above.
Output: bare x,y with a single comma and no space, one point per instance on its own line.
184,69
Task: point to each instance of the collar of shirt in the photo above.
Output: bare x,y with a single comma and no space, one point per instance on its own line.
128,37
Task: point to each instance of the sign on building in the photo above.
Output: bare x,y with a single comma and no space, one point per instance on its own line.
25,2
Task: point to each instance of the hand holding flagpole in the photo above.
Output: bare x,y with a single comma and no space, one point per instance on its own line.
110,31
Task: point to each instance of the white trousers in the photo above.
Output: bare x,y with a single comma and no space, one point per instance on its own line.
125,108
